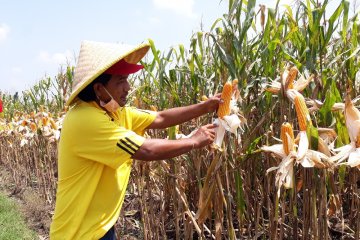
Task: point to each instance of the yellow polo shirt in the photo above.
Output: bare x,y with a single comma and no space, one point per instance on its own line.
94,164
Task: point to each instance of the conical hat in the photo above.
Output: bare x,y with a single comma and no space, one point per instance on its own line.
96,57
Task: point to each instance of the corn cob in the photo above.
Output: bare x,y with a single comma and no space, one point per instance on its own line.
302,112
224,108
291,77
33,127
287,135
45,121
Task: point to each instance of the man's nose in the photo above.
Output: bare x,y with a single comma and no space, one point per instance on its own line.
127,86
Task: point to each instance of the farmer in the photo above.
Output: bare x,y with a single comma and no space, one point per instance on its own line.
100,137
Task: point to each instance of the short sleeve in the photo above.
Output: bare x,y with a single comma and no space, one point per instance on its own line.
101,140
141,119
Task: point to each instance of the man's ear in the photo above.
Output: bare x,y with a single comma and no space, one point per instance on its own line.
98,89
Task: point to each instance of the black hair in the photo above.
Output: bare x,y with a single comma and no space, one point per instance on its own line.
88,93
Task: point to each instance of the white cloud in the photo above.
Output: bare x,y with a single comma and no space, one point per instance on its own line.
4,31
56,58
183,7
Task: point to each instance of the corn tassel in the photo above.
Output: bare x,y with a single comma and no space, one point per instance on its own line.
291,77
287,135
224,108
302,112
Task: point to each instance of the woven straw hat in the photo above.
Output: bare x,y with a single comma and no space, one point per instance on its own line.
96,57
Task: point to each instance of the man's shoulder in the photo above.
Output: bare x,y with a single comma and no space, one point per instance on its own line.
85,113
136,111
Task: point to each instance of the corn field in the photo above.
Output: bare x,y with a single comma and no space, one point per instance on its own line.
297,78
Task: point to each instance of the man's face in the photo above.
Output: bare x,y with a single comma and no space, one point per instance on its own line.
119,87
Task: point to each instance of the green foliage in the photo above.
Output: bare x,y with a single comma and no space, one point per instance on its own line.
47,94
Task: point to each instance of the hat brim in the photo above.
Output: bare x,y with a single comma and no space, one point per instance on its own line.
123,68
87,71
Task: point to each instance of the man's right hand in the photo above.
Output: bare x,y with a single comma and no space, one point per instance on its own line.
204,136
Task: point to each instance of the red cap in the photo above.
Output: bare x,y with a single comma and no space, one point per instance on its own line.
123,68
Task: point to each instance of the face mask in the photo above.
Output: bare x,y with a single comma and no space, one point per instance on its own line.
112,105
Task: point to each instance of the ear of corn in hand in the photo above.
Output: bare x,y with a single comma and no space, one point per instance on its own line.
224,108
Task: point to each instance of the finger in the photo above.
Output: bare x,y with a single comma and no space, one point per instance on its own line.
210,133
211,126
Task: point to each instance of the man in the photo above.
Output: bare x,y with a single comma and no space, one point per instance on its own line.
100,137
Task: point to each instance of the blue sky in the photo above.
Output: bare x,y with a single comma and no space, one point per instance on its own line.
37,37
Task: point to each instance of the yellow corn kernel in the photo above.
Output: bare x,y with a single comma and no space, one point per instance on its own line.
287,134
302,112
291,77
224,108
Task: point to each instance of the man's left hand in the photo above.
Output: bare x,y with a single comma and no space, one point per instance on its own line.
212,103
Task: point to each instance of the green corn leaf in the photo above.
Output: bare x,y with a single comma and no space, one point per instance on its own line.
313,136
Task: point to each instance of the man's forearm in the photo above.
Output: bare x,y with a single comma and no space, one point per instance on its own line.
175,116
161,149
